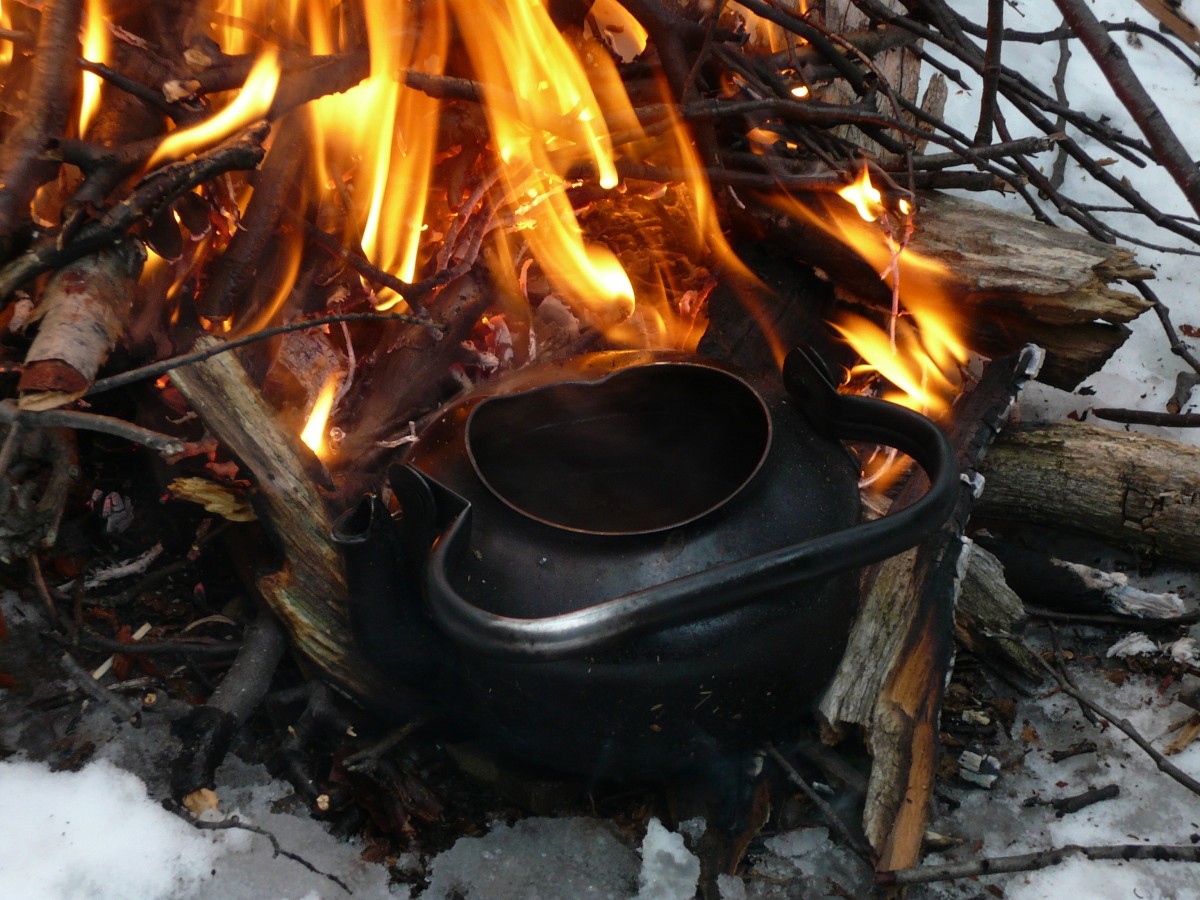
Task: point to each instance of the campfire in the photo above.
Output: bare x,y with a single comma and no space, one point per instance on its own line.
502,343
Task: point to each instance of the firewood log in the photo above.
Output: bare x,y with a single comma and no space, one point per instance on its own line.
1129,489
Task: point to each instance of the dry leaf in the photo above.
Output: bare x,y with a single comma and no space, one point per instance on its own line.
213,497
201,801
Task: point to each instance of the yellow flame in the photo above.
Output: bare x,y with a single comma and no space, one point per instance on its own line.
544,116
95,49
315,427
6,47
864,196
251,104
390,130
920,351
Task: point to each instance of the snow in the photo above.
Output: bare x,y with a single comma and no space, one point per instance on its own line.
98,833
61,837
538,859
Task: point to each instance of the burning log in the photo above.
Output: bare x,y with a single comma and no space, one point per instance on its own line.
1129,489
1013,281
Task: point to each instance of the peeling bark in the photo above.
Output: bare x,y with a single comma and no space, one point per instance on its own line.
83,313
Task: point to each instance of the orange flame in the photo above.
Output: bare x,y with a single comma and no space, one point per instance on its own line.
314,434
251,103
95,49
920,351
864,197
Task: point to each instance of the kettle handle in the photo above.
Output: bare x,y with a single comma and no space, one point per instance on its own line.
724,586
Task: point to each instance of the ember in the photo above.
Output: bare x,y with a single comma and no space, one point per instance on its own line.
316,252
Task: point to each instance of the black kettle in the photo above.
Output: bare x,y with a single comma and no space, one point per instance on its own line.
632,564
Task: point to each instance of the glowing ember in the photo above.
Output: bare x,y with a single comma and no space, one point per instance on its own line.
316,426
95,49
251,103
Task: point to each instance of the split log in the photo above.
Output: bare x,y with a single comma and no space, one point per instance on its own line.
308,593
1003,277
891,677
83,312
1132,490
989,618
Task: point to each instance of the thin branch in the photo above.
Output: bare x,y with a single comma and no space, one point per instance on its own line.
166,444
122,709
991,72
1164,765
1148,417
154,370
1178,347
1028,862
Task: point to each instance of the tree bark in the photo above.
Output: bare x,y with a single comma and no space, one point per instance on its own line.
1132,490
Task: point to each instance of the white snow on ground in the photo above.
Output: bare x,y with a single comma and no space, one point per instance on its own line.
97,834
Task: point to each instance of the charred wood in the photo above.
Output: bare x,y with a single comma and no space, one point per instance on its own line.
890,681
233,272
152,195
208,730
1047,581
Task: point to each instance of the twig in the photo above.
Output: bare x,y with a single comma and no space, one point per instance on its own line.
1148,417
1067,805
165,444
1164,765
1063,676
1028,862
122,709
857,844
155,192
43,590
1178,347
162,648
154,370
1059,173
234,823
991,72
